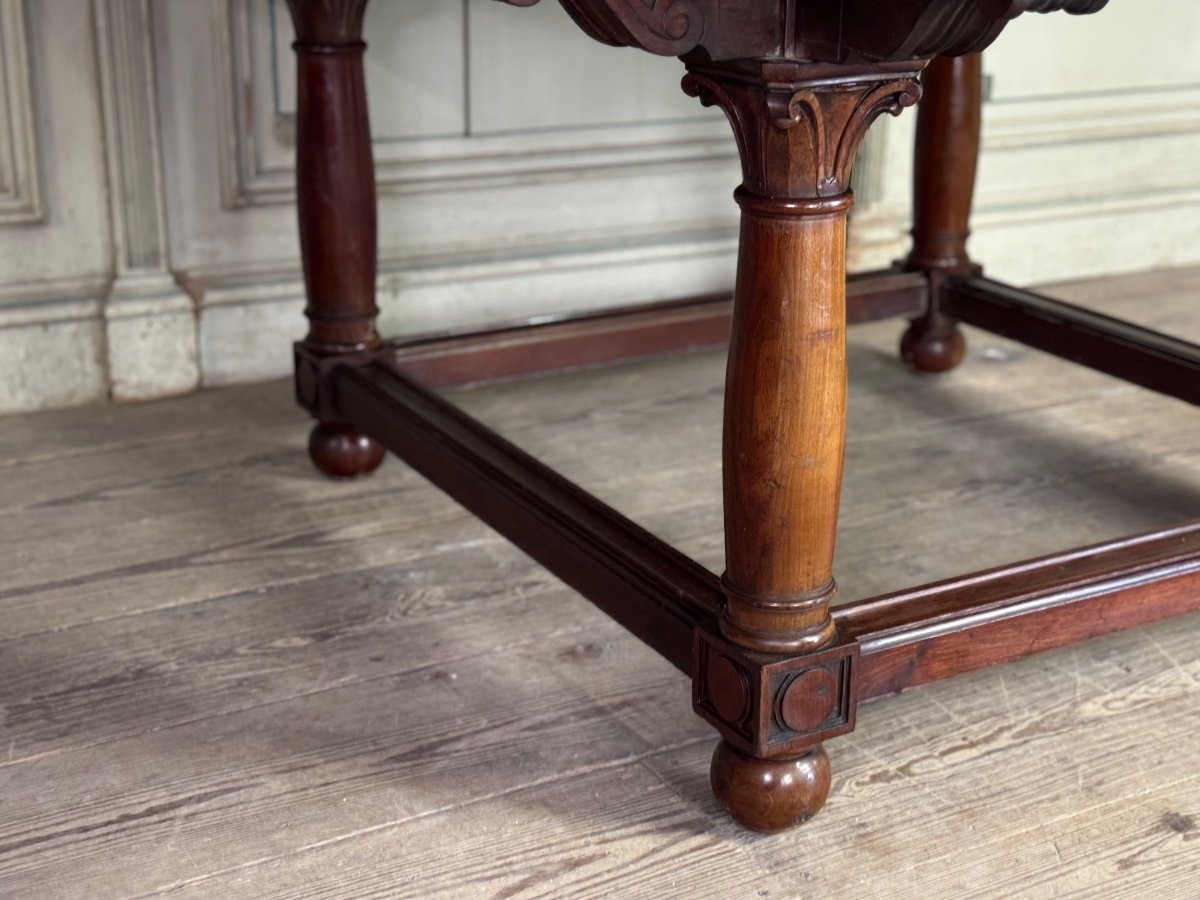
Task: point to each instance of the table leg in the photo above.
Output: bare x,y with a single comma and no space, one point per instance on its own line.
336,202
947,150
785,399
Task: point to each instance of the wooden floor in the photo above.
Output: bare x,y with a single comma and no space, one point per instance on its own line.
221,676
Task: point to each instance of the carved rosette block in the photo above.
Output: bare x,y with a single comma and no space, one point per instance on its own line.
774,707
797,127
770,771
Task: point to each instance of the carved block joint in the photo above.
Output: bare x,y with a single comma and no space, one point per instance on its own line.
774,706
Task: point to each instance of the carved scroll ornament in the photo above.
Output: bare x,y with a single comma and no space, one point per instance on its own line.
797,112
666,27
812,30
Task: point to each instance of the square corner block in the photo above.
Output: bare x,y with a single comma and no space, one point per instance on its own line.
772,706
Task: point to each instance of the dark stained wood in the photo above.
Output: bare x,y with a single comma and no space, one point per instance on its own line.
908,638
569,342
837,31
858,30
770,795
342,451
335,176
871,296
1138,355
774,707
800,84
944,162
573,342
335,197
944,629
291,689
653,590
945,158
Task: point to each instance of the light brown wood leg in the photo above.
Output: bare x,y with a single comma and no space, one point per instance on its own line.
947,150
335,180
785,410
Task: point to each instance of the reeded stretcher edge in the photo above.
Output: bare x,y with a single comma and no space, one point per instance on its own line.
973,621
662,597
1138,355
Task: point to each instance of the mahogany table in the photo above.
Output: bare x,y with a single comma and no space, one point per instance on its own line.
775,668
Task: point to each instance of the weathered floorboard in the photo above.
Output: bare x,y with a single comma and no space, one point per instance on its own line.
221,675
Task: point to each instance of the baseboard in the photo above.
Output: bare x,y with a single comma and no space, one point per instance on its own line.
248,320
52,347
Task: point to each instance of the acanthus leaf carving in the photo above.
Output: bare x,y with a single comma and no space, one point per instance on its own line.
836,152
814,122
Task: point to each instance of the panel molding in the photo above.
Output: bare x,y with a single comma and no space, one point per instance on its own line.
1061,119
1072,156
20,177
250,317
1088,155
254,175
51,343
150,326
131,134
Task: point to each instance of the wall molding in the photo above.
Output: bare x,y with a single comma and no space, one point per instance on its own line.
249,317
254,175
1085,118
51,345
149,322
20,178
52,300
1089,155
1074,156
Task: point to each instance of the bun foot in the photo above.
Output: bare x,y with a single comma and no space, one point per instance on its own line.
769,795
342,451
932,346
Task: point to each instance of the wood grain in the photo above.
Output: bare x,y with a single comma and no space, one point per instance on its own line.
797,128
180,718
653,590
579,341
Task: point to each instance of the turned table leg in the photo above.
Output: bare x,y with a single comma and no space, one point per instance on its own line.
785,410
335,180
947,150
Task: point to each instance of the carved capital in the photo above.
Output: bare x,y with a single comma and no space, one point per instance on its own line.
774,706
798,126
